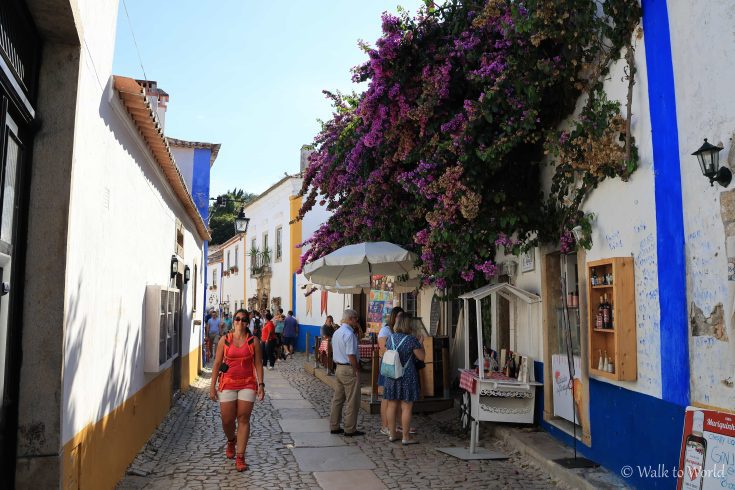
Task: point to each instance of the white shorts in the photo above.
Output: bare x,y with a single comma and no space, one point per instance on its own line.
246,395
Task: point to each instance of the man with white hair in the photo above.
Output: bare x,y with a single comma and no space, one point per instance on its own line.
347,360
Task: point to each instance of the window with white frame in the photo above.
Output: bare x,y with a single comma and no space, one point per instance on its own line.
279,243
237,253
228,259
266,258
214,276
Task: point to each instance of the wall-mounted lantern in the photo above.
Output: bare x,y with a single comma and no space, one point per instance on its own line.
187,274
174,266
709,161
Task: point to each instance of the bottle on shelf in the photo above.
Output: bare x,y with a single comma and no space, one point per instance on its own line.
605,312
611,365
600,364
605,363
594,277
599,320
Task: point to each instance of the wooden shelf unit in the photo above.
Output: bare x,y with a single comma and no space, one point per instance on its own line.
620,342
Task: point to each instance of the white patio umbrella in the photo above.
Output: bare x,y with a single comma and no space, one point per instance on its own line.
355,264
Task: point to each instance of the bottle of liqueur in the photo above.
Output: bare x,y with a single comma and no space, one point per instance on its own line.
594,278
598,320
605,312
695,451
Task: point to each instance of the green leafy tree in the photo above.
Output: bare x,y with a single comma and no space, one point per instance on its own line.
222,213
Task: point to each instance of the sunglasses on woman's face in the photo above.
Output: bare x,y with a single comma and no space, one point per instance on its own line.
239,318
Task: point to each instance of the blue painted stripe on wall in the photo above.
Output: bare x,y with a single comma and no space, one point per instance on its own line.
200,181
669,214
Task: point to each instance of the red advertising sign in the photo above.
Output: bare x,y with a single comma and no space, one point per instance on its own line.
707,458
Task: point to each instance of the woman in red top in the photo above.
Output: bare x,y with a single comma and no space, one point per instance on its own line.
239,384
268,341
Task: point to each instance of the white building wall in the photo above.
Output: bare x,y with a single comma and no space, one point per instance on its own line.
233,284
335,304
121,238
214,285
268,213
703,60
185,161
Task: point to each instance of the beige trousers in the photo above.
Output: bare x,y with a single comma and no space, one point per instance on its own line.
346,393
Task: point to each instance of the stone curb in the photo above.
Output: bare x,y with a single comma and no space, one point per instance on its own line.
590,479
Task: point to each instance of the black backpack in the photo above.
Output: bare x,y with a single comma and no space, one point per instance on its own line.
257,327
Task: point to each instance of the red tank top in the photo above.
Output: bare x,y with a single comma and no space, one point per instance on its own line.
241,361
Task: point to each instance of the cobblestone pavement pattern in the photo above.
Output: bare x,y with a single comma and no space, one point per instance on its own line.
187,449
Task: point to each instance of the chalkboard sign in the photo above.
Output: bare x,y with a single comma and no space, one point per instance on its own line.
435,316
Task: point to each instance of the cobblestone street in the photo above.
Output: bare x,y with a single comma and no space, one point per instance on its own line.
290,447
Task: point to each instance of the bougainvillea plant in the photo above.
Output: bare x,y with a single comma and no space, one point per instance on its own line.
442,152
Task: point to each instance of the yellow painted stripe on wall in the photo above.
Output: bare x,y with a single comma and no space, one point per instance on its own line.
98,455
295,238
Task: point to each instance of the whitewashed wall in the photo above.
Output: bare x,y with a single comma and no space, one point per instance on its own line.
233,285
214,281
703,59
121,237
185,161
269,212
336,303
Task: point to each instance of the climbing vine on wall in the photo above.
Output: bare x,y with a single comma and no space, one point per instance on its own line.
442,152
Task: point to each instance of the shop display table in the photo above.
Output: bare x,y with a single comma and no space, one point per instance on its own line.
497,398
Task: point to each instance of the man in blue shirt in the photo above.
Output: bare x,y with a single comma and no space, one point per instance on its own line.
346,357
290,332
212,330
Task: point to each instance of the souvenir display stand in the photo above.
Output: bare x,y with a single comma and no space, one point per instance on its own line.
491,396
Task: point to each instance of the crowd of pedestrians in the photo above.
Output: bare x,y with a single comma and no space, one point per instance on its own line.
244,346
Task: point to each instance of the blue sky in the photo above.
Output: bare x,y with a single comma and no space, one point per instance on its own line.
248,74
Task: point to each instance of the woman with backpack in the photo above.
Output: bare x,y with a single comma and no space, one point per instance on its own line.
237,366
385,332
404,390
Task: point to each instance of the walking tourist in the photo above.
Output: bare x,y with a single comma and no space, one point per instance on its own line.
268,340
347,392
404,390
385,332
226,323
212,330
280,321
256,323
290,333
239,384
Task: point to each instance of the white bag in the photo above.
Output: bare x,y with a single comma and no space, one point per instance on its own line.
391,366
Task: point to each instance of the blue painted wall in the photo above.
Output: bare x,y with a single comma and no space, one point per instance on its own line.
629,428
200,194
669,213
313,331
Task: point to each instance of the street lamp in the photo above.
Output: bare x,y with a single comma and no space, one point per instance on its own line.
174,266
187,274
241,222
709,162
